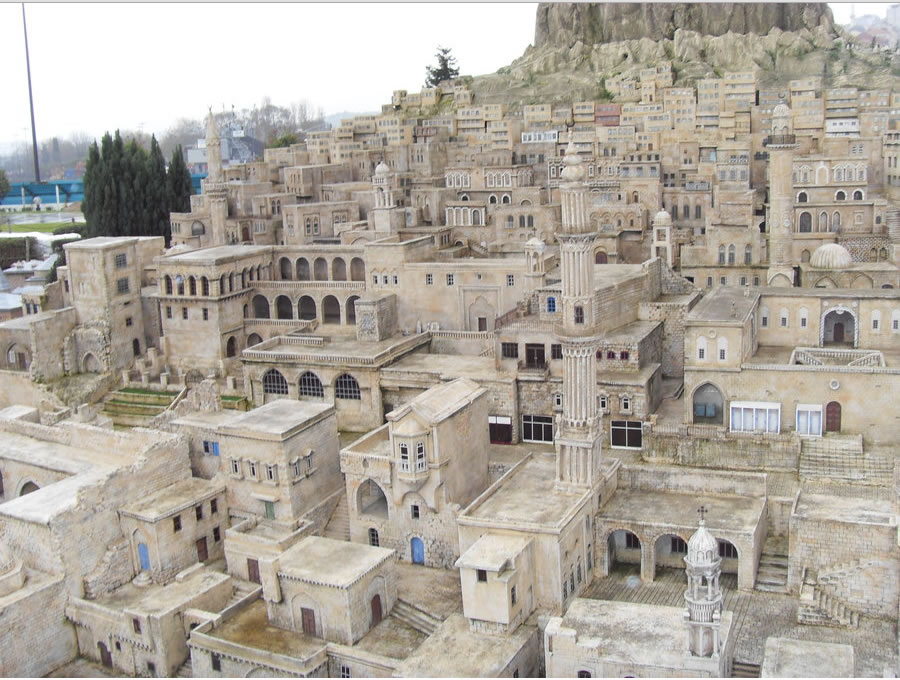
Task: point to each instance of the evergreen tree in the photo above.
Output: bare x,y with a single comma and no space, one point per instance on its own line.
178,179
445,70
4,183
158,193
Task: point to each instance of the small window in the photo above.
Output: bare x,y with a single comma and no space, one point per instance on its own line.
215,661
122,285
721,355
604,402
373,538
176,523
509,350
551,304
626,403
270,473
429,279
678,545
345,671
701,353
205,314
727,550
211,448
557,400
482,575
129,321
199,512
579,314
252,469
151,668
295,468
414,511
168,312
512,595
395,280
136,624
556,351
632,542
121,261
217,535
214,506
184,313
450,279
510,280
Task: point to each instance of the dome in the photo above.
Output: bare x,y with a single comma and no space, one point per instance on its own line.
702,549
573,172
180,248
830,256
781,111
662,217
537,244
382,168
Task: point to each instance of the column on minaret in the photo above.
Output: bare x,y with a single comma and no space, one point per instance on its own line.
780,145
213,150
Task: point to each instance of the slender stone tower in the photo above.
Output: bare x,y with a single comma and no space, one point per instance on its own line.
214,188
213,149
579,432
703,597
780,220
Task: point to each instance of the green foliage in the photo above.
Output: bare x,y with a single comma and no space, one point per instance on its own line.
4,183
602,93
15,249
69,228
445,70
128,192
61,259
286,139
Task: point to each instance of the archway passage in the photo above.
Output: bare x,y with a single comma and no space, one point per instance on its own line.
669,551
302,269
709,405
331,310
338,270
376,610
28,487
351,310
833,417
260,307
306,308
600,257
254,339
370,500
357,269
283,307
90,364
231,347
623,547
285,269
840,328
320,269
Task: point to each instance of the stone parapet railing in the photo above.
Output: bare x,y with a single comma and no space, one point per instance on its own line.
299,285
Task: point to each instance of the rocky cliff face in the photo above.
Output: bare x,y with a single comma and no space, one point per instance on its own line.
564,24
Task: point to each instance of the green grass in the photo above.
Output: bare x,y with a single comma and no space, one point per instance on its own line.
138,390
46,228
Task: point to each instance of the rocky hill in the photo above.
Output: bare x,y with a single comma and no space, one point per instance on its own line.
576,46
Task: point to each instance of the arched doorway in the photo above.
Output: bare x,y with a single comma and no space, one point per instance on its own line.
260,307
284,266
136,347
839,328
623,546
27,488
709,405
231,347
307,308
417,550
370,500
144,556
833,417
357,269
331,310
351,309
376,610
105,657
302,269
90,364
254,339
669,551
320,269
600,257
283,307
338,270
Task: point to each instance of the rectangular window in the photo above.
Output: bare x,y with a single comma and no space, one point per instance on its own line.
414,511
721,355
211,448
205,314
168,312
295,468
404,458
395,280
537,428
765,321
874,324
345,671
270,473
604,402
253,469
722,280
136,625
215,661
802,322
121,261
510,280
512,596
678,545
122,285
235,467
176,523
809,420
375,279
482,575
129,321
579,314
198,510
214,506
420,457
626,434
217,534
556,351
709,282
429,279
509,350
184,313
701,353
755,416
449,279
784,322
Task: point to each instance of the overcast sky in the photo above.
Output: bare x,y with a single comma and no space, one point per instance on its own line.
97,67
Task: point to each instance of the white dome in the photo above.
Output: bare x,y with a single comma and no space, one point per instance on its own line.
662,217
573,172
382,168
703,549
830,256
536,243
180,248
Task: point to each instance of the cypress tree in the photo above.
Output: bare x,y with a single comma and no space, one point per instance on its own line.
157,194
92,205
179,183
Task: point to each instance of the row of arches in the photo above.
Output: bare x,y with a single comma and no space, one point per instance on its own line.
321,270
729,255
310,385
840,195
664,551
305,309
845,172
202,286
805,223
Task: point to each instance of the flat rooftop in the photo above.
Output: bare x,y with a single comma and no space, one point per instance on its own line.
377,443
492,552
324,561
443,400
844,509
276,420
251,628
631,332
447,367
786,658
336,346
157,599
391,638
733,514
454,651
725,304
215,254
613,274
174,498
527,495
628,633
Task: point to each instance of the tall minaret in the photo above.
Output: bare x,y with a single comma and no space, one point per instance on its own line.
780,220
703,597
214,189
578,434
213,149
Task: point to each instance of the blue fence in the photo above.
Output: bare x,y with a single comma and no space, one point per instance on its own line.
70,191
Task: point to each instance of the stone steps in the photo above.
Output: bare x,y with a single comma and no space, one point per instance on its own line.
833,456
741,669
414,617
772,573
135,408
338,526
186,669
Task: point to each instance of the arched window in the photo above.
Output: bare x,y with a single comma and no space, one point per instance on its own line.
731,254
192,285
530,221
179,284
274,382
857,195
836,221
492,199
310,385
748,254
521,221
505,200
623,356
551,304
346,387
610,355
802,197
823,221
167,281
840,196
722,347
701,348
204,286
805,222
721,254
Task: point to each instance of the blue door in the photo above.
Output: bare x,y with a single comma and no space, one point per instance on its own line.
144,557
418,551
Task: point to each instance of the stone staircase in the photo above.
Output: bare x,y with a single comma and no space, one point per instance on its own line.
820,606
414,617
240,590
772,574
834,456
185,670
133,407
740,669
338,526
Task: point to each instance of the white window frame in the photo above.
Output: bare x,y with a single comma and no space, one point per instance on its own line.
404,457
739,410
803,422
421,462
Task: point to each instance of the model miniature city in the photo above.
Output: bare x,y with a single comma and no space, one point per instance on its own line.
604,389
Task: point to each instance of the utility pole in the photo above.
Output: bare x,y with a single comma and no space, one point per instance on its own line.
34,146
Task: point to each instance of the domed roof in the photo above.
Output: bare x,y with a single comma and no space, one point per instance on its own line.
830,256
662,217
573,172
703,549
180,248
781,111
536,243
382,168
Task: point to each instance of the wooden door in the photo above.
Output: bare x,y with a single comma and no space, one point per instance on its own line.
482,323
308,618
376,610
105,656
839,332
253,570
833,413
202,551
